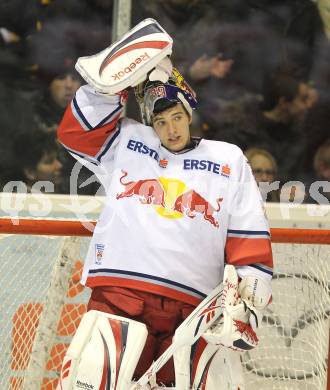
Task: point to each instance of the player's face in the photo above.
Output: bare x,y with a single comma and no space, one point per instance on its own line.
172,127
63,88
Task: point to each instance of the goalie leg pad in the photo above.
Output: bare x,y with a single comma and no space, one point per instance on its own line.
103,353
226,371
191,364
209,367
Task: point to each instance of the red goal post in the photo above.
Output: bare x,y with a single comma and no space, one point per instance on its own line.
37,327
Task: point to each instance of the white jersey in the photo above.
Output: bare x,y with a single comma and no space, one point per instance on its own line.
171,220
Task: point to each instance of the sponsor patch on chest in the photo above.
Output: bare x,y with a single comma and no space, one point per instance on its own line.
206,165
218,168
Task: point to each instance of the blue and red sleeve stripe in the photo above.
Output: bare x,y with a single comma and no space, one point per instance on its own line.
80,138
246,247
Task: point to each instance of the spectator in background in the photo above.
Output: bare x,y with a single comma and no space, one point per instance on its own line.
186,21
210,66
176,16
320,192
286,97
324,6
322,161
274,123
233,64
315,133
73,28
321,56
32,32
264,168
241,40
60,85
36,160
15,117
297,25
15,28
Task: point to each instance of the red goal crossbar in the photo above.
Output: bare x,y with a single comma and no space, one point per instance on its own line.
62,227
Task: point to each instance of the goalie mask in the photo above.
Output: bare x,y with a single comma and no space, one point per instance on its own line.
155,96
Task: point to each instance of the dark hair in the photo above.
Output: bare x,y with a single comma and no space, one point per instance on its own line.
30,147
282,82
163,104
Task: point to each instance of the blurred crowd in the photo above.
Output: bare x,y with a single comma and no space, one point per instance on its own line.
260,68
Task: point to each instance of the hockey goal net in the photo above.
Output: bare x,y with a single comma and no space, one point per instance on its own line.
42,303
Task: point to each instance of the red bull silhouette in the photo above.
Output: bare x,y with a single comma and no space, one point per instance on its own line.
191,202
150,191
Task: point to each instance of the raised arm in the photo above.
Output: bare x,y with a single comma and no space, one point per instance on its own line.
90,125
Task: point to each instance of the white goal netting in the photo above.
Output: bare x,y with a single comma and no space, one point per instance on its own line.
42,302
294,337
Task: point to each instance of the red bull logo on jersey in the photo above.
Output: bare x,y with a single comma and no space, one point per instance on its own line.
171,198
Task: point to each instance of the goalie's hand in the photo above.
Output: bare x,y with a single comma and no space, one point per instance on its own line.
233,329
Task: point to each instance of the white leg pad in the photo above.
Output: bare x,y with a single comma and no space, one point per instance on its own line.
191,364
212,368
226,371
103,353
181,359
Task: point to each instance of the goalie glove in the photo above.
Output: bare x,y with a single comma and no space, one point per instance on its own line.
162,71
256,292
232,330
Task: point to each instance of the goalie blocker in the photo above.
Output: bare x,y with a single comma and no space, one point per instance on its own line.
127,62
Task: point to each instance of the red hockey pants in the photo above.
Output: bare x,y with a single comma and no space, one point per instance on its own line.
160,314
